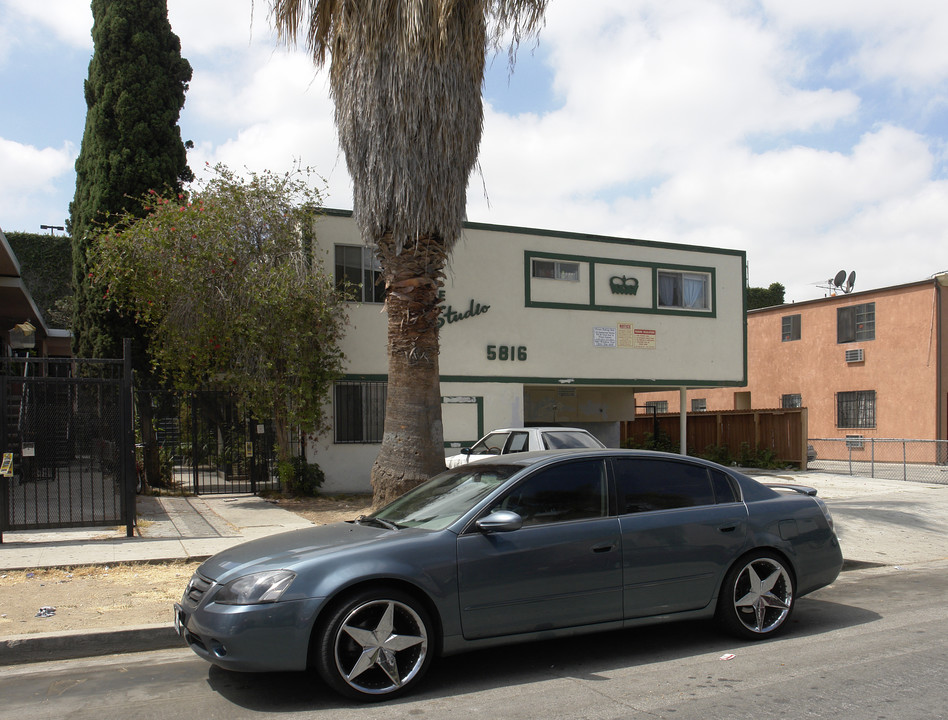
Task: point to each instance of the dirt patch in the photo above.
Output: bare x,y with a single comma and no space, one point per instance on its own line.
99,597
53,600
329,509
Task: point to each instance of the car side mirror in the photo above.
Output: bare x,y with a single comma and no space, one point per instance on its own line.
465,451
500,521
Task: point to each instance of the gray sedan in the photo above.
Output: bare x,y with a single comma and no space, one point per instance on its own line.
522,547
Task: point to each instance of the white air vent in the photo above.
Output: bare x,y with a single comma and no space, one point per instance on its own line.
854,356
855,441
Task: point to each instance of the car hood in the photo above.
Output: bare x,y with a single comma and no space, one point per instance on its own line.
287,550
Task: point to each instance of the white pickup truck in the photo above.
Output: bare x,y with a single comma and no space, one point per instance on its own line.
514,440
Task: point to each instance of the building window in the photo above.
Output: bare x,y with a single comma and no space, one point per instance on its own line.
790,328
793,400
555,270
359,411
689,291
856,409
856,323
657,406
359,273
699,404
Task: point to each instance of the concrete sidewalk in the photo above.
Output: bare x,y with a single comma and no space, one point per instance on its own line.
881,524
168,528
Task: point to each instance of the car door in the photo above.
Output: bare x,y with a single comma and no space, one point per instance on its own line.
682,525
561,569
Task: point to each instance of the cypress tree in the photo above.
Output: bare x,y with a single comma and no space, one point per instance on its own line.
131,144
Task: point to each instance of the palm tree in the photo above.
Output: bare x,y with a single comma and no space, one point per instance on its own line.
405,77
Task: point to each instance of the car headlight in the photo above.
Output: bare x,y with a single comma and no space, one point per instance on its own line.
261,587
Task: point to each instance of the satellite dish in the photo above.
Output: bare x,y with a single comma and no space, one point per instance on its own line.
840,278
850,281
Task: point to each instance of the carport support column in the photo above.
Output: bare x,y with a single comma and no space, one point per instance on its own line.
683,421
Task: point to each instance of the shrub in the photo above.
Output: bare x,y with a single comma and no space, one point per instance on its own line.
300,478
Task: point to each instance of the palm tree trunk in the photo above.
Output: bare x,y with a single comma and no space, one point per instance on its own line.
412,280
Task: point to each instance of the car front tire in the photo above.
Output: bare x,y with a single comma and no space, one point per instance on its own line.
757,596
374,645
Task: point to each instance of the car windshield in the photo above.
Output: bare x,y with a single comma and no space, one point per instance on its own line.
446,497
560,439
493,444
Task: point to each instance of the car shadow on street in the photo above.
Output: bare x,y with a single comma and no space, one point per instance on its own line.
589,658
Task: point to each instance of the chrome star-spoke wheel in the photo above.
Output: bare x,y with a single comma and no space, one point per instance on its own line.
763,595
380,646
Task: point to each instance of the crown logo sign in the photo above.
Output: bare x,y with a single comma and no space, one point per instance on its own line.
623,285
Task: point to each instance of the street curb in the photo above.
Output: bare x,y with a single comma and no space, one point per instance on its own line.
43,647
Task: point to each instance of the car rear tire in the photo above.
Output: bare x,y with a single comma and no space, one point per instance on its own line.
757,596
375,644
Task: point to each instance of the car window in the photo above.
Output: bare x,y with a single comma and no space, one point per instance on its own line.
519,442
649,484
723,488
559,439
492,444
570,491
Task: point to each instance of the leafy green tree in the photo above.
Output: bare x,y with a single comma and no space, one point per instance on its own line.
226,286
131,143
765,297
406,81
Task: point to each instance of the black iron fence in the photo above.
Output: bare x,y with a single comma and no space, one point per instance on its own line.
66,439
208,445
886,458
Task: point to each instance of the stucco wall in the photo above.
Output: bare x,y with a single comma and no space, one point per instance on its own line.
902,364
516,348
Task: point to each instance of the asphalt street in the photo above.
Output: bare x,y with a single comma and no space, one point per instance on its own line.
870,646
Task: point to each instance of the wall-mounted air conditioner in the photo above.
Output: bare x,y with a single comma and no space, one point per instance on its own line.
854,356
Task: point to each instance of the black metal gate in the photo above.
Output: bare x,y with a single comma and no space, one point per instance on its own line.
207,445
66,439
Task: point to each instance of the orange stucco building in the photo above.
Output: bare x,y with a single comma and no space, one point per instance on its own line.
866,364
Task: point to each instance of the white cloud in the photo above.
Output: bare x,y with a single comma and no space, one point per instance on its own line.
211,26
28,180
68,21
895,40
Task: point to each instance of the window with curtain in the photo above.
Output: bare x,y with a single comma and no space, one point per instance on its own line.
359,411
790,328
688,291
856,409
555,270
856,323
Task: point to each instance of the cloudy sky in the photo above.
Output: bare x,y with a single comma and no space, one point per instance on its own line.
811,134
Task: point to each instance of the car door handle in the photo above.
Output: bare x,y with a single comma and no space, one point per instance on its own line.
603,548
727,528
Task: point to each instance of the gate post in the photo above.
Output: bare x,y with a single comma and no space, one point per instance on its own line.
4,483
128,438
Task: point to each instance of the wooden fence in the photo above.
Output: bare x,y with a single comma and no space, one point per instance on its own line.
782,431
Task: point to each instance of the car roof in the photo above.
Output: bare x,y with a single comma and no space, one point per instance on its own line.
543,428
537,457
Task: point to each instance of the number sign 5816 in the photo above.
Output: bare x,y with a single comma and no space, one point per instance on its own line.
507,352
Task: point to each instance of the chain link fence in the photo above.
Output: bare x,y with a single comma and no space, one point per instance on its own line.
884,458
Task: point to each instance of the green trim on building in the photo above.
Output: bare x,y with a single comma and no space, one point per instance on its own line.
565,382
591,262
